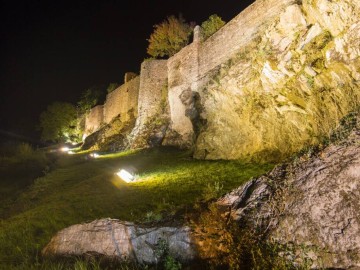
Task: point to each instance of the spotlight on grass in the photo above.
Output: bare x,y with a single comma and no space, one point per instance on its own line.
65,149
126,176
94,155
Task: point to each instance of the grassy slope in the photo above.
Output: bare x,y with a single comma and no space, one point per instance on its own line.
81,189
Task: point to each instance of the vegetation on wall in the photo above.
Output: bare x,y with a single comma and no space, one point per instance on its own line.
169,37
211,25
111,87
89,98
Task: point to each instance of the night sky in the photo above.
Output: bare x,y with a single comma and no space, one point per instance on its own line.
54,50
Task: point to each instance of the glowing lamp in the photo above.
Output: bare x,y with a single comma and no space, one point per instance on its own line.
65,149
94,155
126,176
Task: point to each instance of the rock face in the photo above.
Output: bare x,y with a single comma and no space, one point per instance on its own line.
123,240
285,88
112,136
312,206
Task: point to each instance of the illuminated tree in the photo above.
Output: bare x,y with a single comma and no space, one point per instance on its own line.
211,25
169,37
89,98
58,122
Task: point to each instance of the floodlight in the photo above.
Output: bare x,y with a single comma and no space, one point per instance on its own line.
126,176
65,149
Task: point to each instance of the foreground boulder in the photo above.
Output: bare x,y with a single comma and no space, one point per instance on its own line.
124,241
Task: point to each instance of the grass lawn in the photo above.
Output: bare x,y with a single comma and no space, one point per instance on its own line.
81,189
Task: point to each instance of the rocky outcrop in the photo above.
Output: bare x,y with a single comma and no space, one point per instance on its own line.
111,137
123,241
287,87
310,206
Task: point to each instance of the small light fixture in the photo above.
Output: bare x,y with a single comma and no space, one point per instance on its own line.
65,149
126,176
94,155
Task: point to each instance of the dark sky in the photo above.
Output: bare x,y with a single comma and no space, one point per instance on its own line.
53,50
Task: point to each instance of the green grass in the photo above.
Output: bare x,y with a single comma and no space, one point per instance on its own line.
80,189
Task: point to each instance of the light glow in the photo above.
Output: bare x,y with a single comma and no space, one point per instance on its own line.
71,152
65,149
126,176
94,155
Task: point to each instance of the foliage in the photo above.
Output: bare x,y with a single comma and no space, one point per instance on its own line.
111,87
226,244
211,25
79,189
212,191
163,256
169,37
58,121
20,165
89,98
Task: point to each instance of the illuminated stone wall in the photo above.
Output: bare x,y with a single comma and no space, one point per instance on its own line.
123,101
152,99
190,69
153,82
94,119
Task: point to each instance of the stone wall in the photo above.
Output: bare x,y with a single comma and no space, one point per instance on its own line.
122,100
94,119
152,100
190,69
183,71
153,88
221,46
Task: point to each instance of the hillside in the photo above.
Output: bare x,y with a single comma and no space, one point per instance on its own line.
80,189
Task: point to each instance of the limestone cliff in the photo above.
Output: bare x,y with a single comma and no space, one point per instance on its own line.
286,88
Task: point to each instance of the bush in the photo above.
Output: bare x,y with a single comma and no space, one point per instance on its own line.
211,25
169,37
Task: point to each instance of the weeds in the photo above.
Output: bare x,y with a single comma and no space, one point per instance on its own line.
225,244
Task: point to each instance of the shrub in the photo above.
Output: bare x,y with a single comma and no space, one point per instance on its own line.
211,25
169,37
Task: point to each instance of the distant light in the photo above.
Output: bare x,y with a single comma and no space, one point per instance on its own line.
65,149
126,176
74,143
94,155
71,152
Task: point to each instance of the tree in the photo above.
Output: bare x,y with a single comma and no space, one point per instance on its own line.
169,37
58,122
112,87
211,25
89,98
